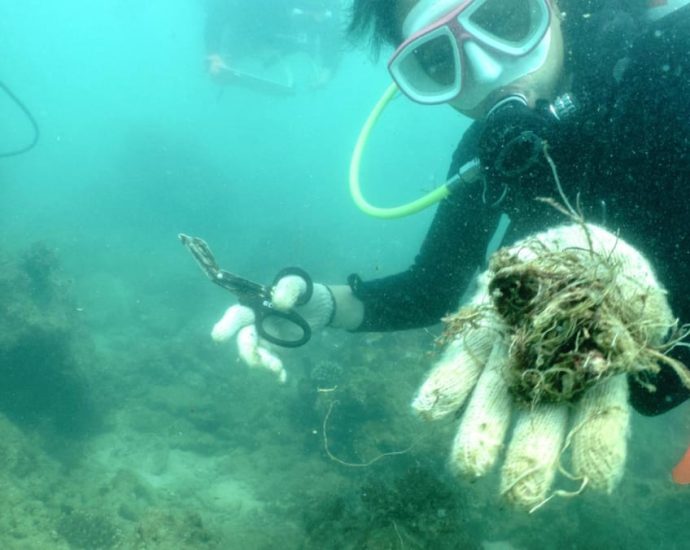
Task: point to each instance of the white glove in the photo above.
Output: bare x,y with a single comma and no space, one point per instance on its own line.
256,351
580,367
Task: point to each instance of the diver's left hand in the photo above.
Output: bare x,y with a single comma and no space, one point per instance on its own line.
491,359
216,65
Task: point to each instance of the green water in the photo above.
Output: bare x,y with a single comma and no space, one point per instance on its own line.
122,425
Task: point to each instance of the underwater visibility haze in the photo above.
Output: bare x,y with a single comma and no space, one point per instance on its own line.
122,424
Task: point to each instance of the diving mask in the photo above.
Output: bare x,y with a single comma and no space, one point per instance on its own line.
463,50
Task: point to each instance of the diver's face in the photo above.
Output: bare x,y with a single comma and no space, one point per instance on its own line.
474,101
543,83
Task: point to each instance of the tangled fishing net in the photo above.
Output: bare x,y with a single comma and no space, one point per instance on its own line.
575,317
559,323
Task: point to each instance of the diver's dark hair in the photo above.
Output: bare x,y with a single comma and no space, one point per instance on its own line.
375,20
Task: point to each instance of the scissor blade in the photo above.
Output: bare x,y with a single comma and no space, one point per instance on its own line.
202,254
243,288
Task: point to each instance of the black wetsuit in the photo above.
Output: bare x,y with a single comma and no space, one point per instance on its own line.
629,149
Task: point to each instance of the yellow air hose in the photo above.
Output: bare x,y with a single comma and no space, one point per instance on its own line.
413,207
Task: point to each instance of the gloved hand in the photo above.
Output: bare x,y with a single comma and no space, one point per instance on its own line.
558,322
240,320
216,65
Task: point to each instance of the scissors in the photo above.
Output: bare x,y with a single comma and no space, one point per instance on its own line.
255,296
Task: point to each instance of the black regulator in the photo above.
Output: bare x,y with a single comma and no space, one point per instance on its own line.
514,135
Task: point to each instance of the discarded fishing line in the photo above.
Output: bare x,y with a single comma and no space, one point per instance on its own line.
558,325
353,464
576,315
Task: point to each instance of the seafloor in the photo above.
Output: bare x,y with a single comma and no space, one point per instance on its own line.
138,435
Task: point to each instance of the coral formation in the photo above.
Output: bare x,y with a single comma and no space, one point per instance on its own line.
42,347
413,509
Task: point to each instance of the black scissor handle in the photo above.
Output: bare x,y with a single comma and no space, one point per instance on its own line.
267,311
255,296
299,272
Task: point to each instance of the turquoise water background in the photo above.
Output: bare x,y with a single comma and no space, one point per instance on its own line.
121,424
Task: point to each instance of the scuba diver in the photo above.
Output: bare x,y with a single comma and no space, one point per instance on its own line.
603,84
248,42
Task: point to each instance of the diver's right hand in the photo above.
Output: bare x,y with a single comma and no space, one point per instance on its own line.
216,65
240,320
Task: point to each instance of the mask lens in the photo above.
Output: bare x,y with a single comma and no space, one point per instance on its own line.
429,68
515,22
435,57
